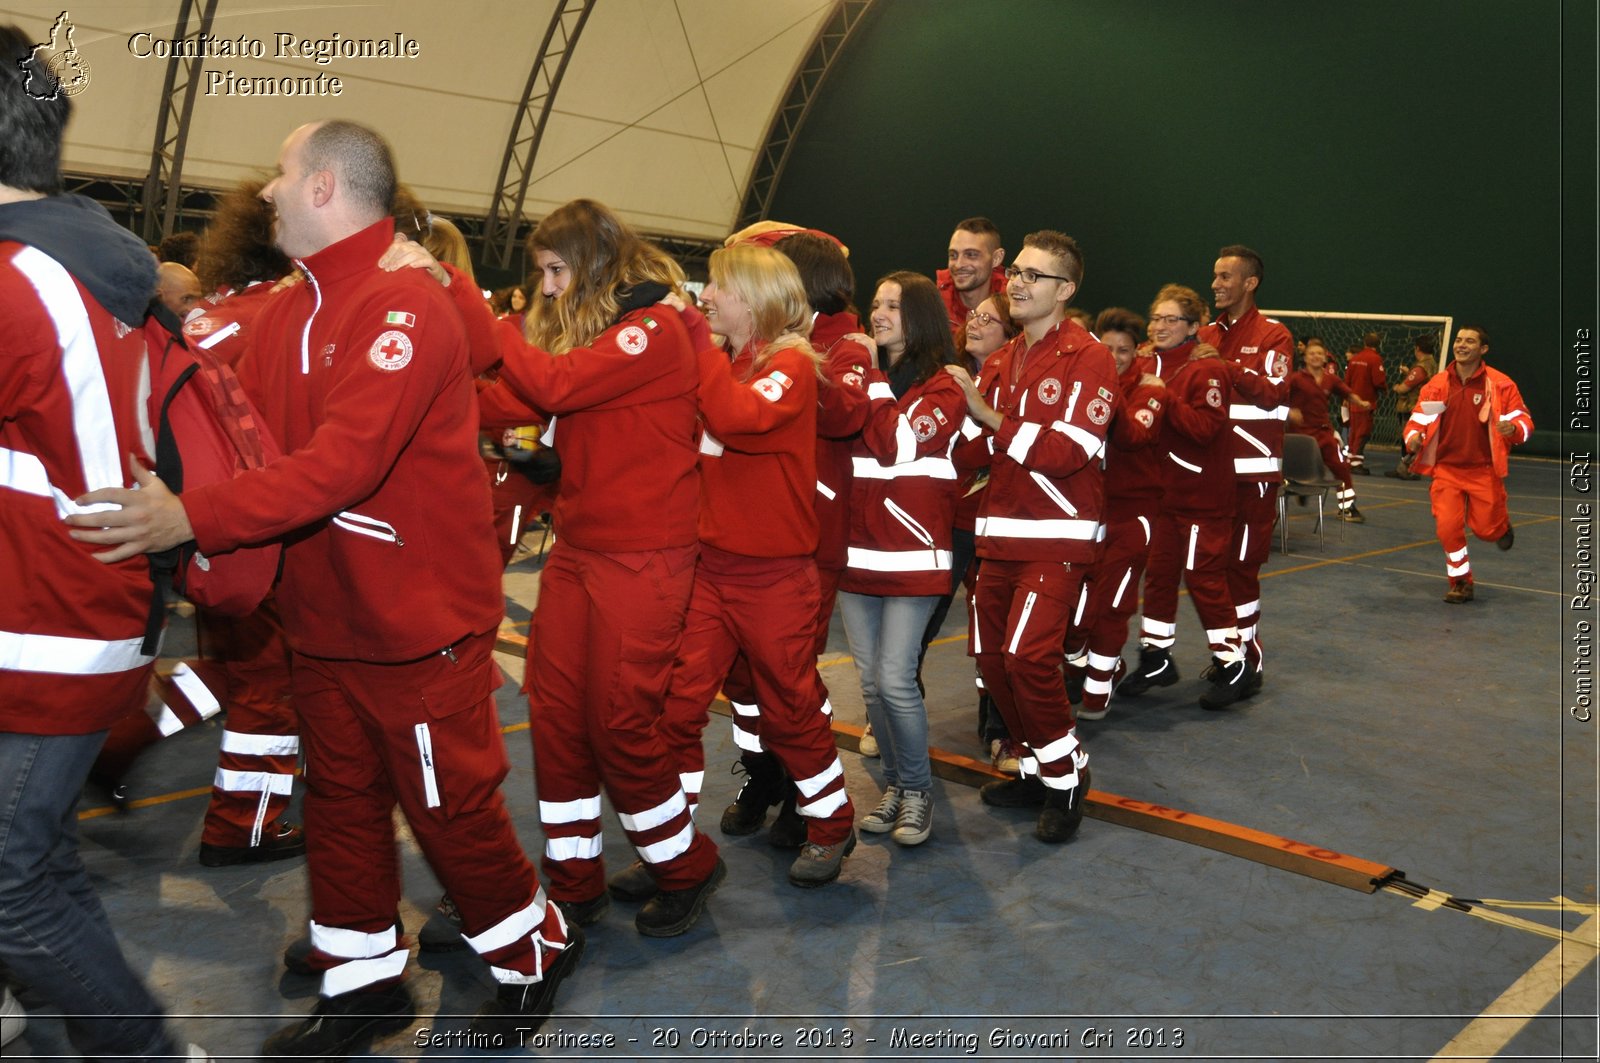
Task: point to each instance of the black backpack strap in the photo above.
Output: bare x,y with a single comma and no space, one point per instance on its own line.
169,467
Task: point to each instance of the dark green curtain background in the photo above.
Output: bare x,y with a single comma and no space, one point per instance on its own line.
1384,156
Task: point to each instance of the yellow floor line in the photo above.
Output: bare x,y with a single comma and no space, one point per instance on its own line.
1486,1036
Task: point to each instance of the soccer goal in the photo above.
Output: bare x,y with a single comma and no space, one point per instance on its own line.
1397,338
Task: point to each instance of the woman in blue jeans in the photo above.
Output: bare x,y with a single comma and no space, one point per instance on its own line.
902,505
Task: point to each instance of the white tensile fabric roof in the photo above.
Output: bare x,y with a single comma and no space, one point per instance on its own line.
660,113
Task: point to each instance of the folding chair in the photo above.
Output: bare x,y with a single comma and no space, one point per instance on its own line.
1305,476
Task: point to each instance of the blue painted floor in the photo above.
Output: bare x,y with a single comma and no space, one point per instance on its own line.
1427,737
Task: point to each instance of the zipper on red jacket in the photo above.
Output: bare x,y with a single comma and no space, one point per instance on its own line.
305,333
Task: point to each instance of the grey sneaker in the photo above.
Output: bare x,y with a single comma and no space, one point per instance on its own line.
882,819
818,865
915,822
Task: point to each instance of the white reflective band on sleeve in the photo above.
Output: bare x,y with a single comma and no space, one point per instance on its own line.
572,848
1091,444
1023,528
741,708
1159,628
1053,492
826,492
553,812
194,688
710,445
352,944
1456,555
1022,442
1185,464
668,848
1022,621
880,389
93,424
371,527
691,781
1513,415
430,782
823,807
1239,411
62,655
1058,750
1254,466
358,974
1194,538
253,782
970,429
218,336
922,560
905,441
1116,599
1458,570
654,817
548,436
23,472
812,786
1252,440
168,722
517,926
934,466
747,741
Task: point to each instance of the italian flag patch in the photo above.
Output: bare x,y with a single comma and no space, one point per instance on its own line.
400,317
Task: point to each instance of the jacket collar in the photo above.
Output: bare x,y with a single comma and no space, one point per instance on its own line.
356,253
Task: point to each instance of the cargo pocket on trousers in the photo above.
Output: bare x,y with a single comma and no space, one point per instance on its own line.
460,754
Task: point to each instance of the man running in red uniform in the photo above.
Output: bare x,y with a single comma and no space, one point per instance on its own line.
1364,375
1309,389
1467,419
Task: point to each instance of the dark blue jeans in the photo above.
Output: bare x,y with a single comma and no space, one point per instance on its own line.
54,936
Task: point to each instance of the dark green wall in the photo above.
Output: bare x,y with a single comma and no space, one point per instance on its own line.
1384,156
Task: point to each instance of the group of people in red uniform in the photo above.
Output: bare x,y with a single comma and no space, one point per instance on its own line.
726,478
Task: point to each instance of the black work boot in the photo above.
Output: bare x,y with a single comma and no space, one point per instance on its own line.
515,1009
1156,668
342,1024
789,827
1062,812
1230,683
672,912
764,786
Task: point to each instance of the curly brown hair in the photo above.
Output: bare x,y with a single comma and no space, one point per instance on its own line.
236,249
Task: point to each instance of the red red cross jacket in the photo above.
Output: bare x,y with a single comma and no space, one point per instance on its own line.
1260,352
841,411
70,414
1364,374
1197,474
620,412
1133,465
1046,495
1310,396
758,453
362,377
903,496
223,326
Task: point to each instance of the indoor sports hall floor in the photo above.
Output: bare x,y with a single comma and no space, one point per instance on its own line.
1408,735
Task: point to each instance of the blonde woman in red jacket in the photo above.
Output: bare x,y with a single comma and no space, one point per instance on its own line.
902,520
756,588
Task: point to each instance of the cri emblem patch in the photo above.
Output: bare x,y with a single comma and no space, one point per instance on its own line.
1050,391
633,339
391,351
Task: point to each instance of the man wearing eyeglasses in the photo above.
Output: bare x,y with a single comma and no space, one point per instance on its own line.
1260,352
1041,407
974,273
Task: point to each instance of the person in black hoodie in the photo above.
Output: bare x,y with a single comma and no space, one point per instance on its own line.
74,287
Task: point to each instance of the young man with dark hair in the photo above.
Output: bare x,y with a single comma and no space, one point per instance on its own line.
391,606
1259,352
975,258
1363,375
1466,421
72,357
1041,408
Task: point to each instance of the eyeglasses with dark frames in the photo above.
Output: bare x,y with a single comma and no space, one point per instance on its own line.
1032,276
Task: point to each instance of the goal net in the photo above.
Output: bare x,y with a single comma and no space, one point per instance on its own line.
1397,338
